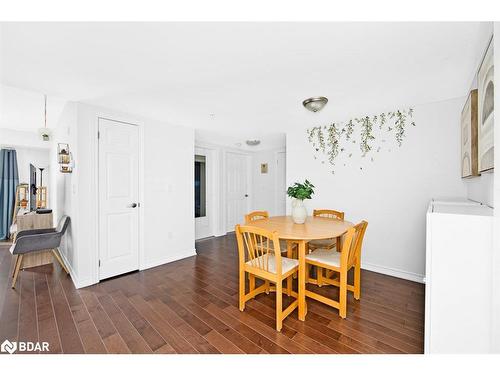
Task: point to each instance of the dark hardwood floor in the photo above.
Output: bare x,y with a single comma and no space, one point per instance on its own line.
190,306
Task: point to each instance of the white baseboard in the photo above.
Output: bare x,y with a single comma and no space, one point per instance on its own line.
81,283
158,262
84,282
77,282
393,272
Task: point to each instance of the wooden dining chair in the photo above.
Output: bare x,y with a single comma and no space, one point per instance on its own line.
329,243
340,262
262,262
258,215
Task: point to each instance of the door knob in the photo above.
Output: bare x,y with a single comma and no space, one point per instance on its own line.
133,205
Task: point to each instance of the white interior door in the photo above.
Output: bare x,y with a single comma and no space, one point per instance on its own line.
118,198
203,193
281,183
237,196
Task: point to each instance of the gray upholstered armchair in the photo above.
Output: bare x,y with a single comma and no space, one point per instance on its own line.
28,241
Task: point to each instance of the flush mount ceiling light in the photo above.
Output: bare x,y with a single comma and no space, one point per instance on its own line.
253,142
315,104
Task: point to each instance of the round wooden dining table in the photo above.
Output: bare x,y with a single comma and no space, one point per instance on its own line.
315,228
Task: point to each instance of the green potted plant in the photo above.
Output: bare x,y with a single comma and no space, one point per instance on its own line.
298,192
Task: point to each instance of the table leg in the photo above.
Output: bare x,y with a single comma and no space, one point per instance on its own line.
302,280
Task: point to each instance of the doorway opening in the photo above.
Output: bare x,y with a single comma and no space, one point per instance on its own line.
200,186
203,180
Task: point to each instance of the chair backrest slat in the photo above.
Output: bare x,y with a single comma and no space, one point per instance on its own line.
256,245
256,215
331,214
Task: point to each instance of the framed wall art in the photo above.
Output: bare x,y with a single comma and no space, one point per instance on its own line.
486,147
468,123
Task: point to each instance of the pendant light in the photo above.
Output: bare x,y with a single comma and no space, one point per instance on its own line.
45,132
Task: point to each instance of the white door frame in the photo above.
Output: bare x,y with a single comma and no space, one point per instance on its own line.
276,193
95,185
210,174
248,157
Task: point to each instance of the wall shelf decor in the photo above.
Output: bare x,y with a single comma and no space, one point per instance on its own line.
330,141
65,158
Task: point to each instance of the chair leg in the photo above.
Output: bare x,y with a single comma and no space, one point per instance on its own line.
251,283
319,276
268,286
338,245
16,272
279,306
343,294
242,289
289,285
15,265
55,252
357,281
291,252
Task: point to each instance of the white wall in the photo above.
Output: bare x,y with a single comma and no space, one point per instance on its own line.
168,193
22,138
30,150
481,188
64,197
262,187
392,192
495,255
37,157
265,190
23,110
166,181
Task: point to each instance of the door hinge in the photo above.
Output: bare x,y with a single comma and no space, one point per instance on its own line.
99,263
98,134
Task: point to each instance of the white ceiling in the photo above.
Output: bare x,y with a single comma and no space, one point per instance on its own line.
269,140
250,76
24,109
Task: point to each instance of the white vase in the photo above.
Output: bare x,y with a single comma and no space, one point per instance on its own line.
299,212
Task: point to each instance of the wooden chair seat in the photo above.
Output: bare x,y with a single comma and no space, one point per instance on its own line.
323,256
329,244
287,264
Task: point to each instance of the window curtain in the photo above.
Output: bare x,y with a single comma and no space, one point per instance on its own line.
9,179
